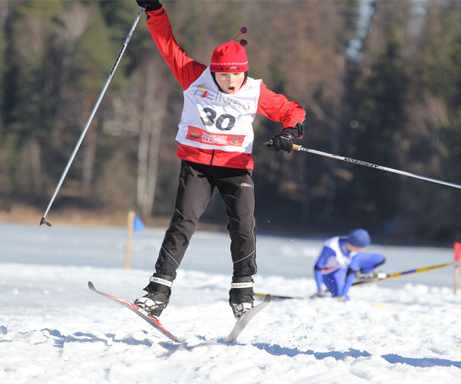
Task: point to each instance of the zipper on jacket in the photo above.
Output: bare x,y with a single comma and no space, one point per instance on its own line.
212,156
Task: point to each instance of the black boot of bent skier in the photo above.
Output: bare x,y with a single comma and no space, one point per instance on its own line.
241,295
158,295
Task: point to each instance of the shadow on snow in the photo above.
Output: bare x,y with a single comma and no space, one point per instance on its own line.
276,350
82,337
391,358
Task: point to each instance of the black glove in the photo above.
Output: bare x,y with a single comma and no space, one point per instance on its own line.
284,140
149,5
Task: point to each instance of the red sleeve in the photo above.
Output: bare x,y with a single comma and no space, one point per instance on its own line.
183,67
278,108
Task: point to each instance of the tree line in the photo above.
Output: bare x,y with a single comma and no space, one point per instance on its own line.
380,82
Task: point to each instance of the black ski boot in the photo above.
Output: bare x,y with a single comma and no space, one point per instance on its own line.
158,295
241,295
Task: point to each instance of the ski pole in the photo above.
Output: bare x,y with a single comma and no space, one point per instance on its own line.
409,272
90,119
366,164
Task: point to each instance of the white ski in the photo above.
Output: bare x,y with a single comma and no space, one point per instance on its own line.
245,319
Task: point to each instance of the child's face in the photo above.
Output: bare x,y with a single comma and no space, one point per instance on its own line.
230,82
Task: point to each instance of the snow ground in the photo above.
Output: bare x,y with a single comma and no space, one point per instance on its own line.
53,329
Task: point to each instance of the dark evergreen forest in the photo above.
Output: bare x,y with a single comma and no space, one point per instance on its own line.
380,80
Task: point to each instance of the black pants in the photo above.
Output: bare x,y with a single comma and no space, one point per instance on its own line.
196,185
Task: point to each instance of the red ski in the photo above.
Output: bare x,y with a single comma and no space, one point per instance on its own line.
133,307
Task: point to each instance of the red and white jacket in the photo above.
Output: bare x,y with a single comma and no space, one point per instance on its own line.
216,128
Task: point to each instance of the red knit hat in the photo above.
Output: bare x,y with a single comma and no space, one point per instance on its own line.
229,57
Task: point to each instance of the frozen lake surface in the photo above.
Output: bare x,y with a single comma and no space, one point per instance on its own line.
54,330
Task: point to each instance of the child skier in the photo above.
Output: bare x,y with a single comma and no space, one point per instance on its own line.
215,139
342,259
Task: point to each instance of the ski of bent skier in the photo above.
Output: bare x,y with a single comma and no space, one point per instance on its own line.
277,297
133,307
388,277
245,319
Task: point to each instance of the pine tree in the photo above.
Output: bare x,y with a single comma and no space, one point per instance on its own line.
381,96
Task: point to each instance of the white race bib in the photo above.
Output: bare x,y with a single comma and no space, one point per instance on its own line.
212,119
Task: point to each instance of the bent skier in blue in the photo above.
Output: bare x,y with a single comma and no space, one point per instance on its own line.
342,259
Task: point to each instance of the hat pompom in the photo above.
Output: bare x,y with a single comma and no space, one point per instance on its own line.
242,42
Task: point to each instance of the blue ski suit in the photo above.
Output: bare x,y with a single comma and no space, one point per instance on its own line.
336,266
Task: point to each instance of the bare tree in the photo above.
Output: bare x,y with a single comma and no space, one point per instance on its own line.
152,116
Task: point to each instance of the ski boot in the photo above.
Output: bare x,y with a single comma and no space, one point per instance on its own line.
241,295
158,295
